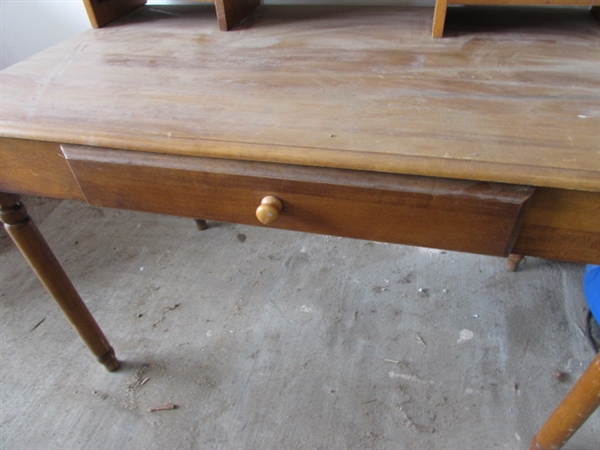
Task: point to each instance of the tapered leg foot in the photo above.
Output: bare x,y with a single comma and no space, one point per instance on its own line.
109,360
513,261
38,254
201,224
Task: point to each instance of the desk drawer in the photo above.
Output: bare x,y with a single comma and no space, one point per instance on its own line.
458,215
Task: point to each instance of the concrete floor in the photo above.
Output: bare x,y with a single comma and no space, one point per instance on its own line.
268,339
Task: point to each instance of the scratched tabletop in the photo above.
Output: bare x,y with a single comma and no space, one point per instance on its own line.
347,87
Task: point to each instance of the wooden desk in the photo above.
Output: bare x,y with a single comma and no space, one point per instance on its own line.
355,119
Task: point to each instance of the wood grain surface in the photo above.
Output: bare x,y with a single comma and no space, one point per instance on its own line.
461,215
36,168
355,88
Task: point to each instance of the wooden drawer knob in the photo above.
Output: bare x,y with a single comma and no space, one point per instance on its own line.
269,210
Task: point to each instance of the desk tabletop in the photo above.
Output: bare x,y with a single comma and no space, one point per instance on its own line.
346,87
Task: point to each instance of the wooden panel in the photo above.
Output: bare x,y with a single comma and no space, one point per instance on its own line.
229,12
562,224
439,18
101,12
441,6
587,3
458,215
232,12
36,168
305,88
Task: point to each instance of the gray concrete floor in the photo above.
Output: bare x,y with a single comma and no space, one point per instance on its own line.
269,339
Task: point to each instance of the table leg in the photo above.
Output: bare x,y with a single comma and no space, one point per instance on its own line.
579,404
513,261
201,224
38,254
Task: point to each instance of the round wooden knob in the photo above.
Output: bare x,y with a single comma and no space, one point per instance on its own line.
269,209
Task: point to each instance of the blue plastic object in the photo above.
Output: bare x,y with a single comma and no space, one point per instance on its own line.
591,287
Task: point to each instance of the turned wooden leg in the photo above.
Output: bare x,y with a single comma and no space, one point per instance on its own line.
201,224
38,254
513,261
579,404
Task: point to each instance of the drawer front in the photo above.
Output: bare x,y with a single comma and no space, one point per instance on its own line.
458,215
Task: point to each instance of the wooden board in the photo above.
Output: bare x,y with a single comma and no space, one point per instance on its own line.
451,214
441,6
102,12
36,168
232,12
355,88
229,12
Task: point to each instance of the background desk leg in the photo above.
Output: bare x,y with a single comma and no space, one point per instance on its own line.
513,261
579,404
38,254
201,224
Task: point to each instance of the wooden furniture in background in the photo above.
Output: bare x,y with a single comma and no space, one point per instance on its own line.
101,12
229,12
387,135
232,12
441,6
